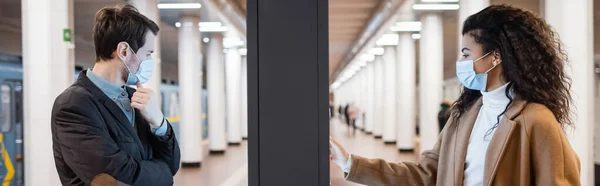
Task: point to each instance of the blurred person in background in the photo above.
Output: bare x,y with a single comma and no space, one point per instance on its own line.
444,113
507,127
102,126
353,113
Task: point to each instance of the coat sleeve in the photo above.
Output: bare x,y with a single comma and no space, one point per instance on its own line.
88,149
166,148
379,172
554,161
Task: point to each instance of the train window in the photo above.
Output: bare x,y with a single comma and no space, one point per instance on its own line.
19,101
6,106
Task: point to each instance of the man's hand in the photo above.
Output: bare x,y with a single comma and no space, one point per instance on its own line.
146,101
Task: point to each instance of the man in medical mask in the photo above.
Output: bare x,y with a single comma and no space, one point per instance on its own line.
100,125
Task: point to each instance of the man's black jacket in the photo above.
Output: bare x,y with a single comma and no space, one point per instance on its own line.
91,135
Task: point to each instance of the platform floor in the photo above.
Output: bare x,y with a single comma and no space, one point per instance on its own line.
231,168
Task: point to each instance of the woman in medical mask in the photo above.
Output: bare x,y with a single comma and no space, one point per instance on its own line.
507,127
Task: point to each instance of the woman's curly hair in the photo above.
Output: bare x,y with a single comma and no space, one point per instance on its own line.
533,59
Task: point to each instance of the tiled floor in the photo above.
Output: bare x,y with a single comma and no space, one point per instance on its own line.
231,168
369,147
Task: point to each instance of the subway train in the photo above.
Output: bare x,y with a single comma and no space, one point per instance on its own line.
11,117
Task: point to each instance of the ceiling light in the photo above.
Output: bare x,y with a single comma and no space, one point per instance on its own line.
210,24
367,57
435,7
377,51
213,29
388,40
179,6
362,64
232,42
243,51
206,40
335,85
407,26
178,24
439,1
416,36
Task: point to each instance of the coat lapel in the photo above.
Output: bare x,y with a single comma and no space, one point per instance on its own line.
461,140
500,139
111,106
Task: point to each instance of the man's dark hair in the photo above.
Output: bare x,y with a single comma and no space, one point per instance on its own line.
118,24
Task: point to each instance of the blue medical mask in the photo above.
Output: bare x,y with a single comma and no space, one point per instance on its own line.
143,73
468,77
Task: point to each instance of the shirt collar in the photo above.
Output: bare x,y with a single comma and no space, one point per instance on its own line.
110,89
497,98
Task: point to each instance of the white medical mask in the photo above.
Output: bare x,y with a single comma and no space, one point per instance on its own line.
468,77
143,73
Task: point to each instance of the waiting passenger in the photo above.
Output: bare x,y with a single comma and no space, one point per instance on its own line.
444,114
100,125
507,126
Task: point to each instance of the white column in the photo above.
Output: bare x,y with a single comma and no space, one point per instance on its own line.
371,113
356,98
406,92
379,109
364,96
468,8
389,96
430,78
190,90
573,20
244,98
149,9
233,63
47,71
215,69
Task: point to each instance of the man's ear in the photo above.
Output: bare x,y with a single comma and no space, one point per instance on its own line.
122,50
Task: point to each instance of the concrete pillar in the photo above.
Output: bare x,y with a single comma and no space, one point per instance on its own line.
468,8
356,96
370,88
362,98
244,107
406,92
190,90
233,69
430,78
215,69
379,89
149,9
48,63
389,95
573,20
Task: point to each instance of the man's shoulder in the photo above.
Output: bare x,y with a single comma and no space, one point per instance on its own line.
75,94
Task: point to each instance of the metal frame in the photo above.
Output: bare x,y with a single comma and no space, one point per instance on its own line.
288,130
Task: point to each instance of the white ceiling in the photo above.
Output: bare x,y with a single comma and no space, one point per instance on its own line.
347,20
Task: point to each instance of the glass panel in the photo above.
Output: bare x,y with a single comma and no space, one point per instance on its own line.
18,99
5,99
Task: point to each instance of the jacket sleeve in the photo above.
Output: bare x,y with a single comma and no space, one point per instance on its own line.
166,148
379,172
88,149
554,161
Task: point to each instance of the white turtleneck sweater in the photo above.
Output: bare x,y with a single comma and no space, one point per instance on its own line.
494,103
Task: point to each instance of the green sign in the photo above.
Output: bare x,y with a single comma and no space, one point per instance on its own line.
67,35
